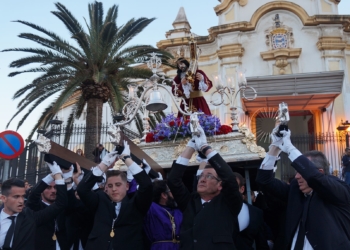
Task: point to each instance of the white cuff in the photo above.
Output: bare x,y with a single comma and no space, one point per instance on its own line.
129,176
147,169
203,86
199,172
134,168
268,162
59,182
182,161
212,153
97,171
160,177
48,179
293,154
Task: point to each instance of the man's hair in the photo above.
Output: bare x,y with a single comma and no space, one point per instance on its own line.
182,60
25,181
8,184
159,187
240,178
319,160
112,173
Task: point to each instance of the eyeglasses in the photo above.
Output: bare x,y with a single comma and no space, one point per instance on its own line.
208,177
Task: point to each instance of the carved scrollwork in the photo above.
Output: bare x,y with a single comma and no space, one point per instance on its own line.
43,143
250,142
114,134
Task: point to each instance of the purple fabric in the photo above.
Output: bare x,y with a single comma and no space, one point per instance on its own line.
132,186
158,227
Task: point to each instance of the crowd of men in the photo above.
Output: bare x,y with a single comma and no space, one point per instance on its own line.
71,210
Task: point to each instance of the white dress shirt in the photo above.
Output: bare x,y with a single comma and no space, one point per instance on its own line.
117,208
307,245
243,217
4,226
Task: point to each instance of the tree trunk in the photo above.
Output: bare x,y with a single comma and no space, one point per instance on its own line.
93,126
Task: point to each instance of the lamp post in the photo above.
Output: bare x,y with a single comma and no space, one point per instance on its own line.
227,88
150,101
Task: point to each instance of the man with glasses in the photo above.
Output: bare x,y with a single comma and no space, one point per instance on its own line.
318,204
210,213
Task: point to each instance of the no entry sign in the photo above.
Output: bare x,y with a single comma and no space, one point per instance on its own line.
11,144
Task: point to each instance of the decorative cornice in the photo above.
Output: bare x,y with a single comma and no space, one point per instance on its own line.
251,25
285,53
225,4
230,51
335,1
331,43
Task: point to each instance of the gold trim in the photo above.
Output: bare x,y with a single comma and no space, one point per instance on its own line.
347,47
225,4
331,43
231,50
250,26
279,31
285,53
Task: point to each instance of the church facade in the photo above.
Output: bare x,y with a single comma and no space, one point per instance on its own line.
295,52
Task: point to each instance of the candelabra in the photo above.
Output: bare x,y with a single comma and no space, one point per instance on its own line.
150,101
228,89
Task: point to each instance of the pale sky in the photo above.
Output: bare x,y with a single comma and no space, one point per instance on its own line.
201,18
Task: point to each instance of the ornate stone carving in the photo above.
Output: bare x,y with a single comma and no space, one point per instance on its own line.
281,63
331,43
43,143
233,147
114,134
250,141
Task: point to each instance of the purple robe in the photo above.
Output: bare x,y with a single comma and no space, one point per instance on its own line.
158,227
132,186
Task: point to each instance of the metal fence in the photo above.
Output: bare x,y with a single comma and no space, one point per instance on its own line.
30,164
331,144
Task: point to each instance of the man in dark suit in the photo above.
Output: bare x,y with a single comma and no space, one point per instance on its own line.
118,222
210,214
18,223
251,224
318,204
52,233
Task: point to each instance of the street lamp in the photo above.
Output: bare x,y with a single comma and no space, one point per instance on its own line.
150,101
227,88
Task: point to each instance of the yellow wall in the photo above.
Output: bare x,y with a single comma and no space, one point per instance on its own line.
326,7
230,16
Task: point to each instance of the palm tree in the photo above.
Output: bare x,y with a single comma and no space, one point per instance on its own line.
95,71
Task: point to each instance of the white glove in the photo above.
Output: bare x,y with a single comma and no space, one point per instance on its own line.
276,141
54,168
200,159
268,162
288,147
68,174
200,140
110,158
126,150
191,143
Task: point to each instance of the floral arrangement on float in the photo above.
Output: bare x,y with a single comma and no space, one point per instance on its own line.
172,127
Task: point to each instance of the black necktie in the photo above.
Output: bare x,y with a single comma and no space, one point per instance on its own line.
10,232
299,245
204,204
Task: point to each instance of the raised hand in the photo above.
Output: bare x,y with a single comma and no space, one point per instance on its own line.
200,140
126,150
67,173
54,168
110,158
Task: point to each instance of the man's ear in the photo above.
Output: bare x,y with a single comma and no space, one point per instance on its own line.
3,198
127,185
164,196
321,170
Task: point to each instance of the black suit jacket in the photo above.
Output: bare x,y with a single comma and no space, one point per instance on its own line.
215,226
128,227
44,232
28,220
328,218
254,232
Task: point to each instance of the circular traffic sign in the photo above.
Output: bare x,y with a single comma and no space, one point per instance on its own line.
11,144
